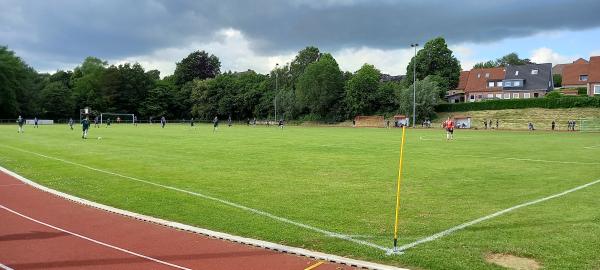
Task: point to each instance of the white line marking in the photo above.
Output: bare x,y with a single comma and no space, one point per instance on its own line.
4,267
592,147
232,204
213,234
92,240
529,159
499,213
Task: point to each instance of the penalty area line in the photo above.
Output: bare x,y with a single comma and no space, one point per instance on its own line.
93,240
447,232
222,201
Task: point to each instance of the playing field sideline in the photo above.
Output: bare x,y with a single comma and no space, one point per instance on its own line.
332,189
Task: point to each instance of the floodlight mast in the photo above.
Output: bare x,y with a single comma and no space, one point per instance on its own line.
414,84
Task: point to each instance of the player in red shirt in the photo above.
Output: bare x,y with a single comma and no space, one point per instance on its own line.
449,126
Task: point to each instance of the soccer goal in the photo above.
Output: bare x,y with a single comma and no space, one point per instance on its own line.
117,118
589,125
369,121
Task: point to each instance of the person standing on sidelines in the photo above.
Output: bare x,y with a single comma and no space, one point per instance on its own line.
163,122
35,122
192,122
85,126
71,123
96,122
20,122
229,121
553,125
215,124
281,123
134,120
449,126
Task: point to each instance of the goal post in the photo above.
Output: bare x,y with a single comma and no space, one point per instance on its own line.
589,125
122,117
369,121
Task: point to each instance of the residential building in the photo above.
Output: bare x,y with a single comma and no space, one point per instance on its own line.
484,83
593,84
527,81
458,95
522,81
576,74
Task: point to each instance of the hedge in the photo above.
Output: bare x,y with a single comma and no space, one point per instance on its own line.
502,104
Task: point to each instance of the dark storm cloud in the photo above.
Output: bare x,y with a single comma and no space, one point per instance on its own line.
67,31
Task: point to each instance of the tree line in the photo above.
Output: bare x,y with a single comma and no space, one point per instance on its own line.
310,87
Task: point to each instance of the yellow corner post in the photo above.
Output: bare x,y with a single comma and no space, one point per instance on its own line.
398,188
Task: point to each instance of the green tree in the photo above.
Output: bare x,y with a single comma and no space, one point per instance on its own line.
158,100
435,59
16,85
427,97
320,87
87,80
362,90
57,100
511,59
557,79
197,65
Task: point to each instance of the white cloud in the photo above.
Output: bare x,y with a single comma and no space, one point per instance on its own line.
547,55
392,62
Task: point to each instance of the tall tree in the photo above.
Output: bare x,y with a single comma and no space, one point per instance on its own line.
435,59
57,100
320,87
361,91
197,65
511,59
87,80
16,84
427,96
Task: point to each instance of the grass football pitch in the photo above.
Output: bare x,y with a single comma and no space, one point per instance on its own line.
312,187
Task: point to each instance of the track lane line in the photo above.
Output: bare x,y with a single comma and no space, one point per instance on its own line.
4,267
93,240
314,265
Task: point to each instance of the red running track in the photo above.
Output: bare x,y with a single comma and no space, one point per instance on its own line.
39,230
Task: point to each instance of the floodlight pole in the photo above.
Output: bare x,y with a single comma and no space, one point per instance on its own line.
276,87
414,84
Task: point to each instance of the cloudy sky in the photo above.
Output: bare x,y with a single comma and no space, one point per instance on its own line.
256,34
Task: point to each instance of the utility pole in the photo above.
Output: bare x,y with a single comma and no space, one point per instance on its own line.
276,87
415,85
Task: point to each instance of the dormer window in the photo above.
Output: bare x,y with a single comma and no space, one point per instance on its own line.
487,75
478,75
534,72
517,73
583,78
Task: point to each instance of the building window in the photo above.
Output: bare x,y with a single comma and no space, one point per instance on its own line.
478,75
472,97
515,95
535,95
499,84
507,84
526,95
490,84
534,72
597,89
583,78
487,75
507,96
498,96
517,73
490,96
516,83
479,96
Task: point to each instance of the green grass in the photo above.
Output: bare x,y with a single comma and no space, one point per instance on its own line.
341,180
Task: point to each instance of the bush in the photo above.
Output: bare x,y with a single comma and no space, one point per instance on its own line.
582,91
554,94
502,104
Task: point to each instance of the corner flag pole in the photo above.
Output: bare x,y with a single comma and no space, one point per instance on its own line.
398,188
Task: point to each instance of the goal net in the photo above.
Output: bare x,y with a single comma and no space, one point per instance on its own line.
589,125
369,121
117,118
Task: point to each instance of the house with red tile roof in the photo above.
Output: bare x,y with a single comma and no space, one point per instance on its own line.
576,74
593,83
